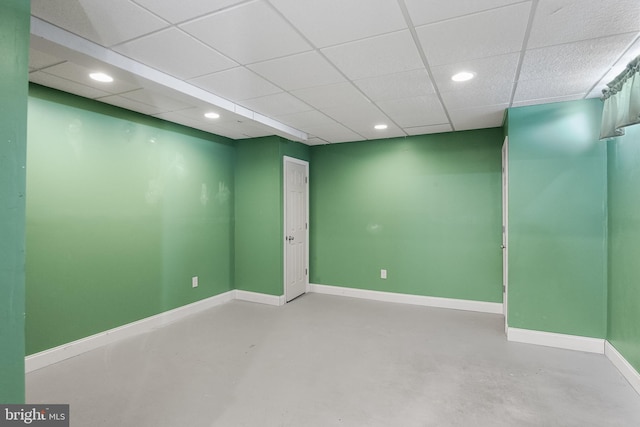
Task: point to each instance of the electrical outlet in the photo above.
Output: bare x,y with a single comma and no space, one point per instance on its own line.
383,274
194,282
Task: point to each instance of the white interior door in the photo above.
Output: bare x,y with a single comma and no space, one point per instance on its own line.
505,230
296,229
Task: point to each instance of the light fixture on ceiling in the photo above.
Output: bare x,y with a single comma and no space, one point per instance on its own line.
212,115
463,76
101,77
380,127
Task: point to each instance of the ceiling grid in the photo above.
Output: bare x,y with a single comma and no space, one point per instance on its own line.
329,71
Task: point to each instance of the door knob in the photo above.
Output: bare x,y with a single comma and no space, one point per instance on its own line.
289,238
502,246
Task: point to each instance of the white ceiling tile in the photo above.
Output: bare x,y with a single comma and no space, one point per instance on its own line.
424,130
229,124
478,96
331,22
249,129
362,120
335,133
493,71
316,141
484,36
376,56
306,119
191,115
248,33
230,133
428,11
231,129
563,21
179,11
243,129
39,60
411,112
395,86
492,84
331,95
478,118
155,99
558,86
130,104
236,84
225,129
365,116
80,74
173,116
582,58
65,85
391,132
548,100
299,71
174,52
103,22
277,104
480,35
195,115
224,108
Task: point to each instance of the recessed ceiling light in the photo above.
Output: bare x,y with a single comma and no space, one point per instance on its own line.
463,76
211,115
101,77
380,127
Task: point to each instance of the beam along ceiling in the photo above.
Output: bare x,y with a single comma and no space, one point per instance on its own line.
328,71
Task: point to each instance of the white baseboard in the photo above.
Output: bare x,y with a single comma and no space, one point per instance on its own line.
550,339
259,298
74,348
456,304
623,366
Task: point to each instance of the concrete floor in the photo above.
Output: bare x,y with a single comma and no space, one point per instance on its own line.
335,361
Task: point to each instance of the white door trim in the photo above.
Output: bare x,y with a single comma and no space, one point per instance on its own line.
505,232
304,163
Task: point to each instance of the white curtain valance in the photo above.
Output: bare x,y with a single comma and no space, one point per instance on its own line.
621,102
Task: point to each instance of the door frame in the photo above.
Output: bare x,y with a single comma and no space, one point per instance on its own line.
505,232
285,160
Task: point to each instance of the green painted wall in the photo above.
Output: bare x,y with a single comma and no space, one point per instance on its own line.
122,211
259,212
557,219
624,245
426,208
14,45
258,265
295,150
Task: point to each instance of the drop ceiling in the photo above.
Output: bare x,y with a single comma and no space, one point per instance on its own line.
328,71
